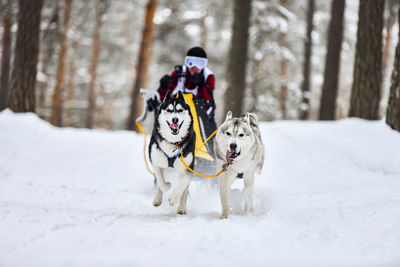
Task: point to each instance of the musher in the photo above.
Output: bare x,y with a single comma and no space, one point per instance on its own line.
193,77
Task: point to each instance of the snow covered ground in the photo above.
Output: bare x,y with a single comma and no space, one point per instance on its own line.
329,195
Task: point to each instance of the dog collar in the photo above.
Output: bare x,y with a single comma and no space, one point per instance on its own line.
179,144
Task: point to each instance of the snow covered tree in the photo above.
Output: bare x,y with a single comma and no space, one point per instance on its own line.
393,109
57,104
327,108
23,76
237,59
305,86
365,92
5,54
142,64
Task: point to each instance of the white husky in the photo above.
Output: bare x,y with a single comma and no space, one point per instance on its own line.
238,143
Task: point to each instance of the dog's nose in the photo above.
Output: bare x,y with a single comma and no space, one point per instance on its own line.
233,146
175,120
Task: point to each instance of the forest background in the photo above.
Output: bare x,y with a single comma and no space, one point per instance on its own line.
281,59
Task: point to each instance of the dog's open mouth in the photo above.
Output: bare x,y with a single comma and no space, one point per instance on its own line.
174,127
230,155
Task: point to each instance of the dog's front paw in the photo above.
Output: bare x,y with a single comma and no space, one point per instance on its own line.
181,212
157,202
224,216
225,213
173,199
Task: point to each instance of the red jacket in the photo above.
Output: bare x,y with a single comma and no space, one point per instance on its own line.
201,93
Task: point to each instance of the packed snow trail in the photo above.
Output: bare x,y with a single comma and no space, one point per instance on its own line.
329,195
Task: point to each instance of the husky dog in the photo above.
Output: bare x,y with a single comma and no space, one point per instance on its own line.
238,143
172,136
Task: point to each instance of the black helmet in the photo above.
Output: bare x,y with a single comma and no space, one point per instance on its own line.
196,52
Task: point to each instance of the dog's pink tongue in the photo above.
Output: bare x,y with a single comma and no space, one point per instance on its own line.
228,157
174,126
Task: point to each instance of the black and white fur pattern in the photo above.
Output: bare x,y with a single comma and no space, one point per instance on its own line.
238,143
172,134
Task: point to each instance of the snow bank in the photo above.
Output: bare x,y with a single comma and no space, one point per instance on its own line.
328,196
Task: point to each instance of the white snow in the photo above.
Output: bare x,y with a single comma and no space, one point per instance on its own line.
329,195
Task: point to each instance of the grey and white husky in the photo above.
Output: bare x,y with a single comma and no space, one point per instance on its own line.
238,143
172,136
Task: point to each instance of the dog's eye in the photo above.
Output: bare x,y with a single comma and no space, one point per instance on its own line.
179,110
228,133
169,110
241,135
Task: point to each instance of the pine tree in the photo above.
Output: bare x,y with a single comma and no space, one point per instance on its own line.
365,92
5,56
238,58
305,87
393,109
100,10
23,77
327,108
143,64
57,104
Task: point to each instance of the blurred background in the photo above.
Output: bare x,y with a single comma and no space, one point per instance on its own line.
303,59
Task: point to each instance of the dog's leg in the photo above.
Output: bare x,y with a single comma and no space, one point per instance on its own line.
158,197
183,184
182,202
248,179
225,182
159,173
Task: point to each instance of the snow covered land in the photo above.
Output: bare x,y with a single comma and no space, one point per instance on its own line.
329,195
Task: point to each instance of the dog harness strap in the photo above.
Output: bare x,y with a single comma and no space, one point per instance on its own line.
171,160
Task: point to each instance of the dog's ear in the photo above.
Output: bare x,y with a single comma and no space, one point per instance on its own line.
249,119
228,115
180,95
253,120
167,96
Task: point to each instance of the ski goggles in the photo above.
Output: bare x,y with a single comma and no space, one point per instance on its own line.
198,62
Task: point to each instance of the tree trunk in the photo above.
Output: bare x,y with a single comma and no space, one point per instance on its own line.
305,87
100,8
283,71
365,92
389,23
23,77
57,104
238,58
70,87
142,65
49,39
327,109
5,60
393,109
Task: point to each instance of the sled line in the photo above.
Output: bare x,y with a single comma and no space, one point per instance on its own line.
144,148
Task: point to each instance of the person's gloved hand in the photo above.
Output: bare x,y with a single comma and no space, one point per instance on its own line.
198,79
152,103
165,81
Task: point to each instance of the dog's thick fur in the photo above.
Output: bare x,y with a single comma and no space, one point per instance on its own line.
238,142
172,134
